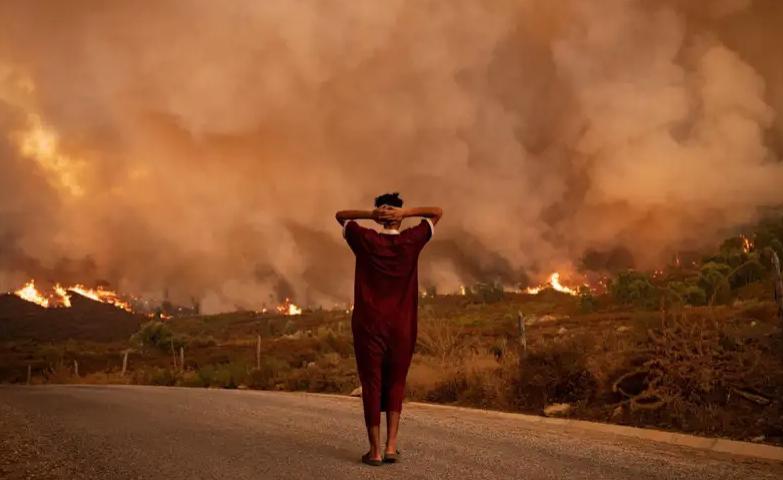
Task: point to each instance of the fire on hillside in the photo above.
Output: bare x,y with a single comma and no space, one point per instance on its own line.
60,296
288,308
554,284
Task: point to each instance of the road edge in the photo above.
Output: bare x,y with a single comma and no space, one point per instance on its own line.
720,445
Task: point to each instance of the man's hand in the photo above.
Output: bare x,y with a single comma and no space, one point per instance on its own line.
378,214
389,214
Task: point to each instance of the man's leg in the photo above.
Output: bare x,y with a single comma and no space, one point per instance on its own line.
392,427
369,355
395,373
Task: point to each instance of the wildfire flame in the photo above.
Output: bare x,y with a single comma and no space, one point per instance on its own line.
288,308
554,283
62,293
101,295
59,297
31,294
747,244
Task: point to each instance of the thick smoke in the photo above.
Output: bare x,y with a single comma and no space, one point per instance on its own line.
200,148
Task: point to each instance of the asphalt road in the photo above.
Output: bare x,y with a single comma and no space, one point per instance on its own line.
124,432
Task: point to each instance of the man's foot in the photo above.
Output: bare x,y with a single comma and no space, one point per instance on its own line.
391,457
369,460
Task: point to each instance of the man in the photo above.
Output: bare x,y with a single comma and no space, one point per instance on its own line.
384,320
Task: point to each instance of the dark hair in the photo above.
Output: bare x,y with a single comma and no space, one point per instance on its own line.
392,199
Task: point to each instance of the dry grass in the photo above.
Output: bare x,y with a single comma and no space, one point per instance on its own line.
680,371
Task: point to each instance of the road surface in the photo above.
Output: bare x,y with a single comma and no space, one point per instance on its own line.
137,432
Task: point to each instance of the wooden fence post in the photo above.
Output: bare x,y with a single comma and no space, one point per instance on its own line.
521,335
124,363
29,373
173,353
778,283
258,352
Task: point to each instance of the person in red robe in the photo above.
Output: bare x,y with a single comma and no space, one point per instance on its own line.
384,321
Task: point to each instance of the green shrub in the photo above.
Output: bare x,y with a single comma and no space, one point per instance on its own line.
750,271
272,370
713,278
587,301
689,293
154,376
191,379
228,375
156,334
635,288
162,376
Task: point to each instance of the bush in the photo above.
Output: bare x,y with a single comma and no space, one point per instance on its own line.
271,371
587,301
713,278
225,376
439,338
749,272
635,288
154,376
555,375
162,376
156,334
486,292
688,293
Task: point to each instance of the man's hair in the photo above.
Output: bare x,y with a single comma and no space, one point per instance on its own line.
391,199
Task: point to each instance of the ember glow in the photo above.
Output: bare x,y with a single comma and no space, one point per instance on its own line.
288,308
747,244
554,284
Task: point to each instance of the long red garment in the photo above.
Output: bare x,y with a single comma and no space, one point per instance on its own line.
386,293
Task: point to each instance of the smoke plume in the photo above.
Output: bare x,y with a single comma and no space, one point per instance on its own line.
199,149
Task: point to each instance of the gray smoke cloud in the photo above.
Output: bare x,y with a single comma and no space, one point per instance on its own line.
200,148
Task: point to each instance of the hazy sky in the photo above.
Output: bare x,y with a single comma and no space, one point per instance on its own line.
202,147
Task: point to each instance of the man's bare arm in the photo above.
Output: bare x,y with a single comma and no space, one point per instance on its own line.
344,215
397,214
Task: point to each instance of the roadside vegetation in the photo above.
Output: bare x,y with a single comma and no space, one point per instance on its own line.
694,347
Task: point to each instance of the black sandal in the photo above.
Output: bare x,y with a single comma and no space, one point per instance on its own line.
368,461
391,457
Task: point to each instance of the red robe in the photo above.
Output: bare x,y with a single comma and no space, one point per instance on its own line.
386,293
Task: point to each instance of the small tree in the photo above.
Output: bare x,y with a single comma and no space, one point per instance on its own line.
634,288
487,292
156,334
688,292
713,278
587,301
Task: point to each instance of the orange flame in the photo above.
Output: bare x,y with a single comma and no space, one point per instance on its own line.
554,283
31,294
101,295
747,244
288,308
61,298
